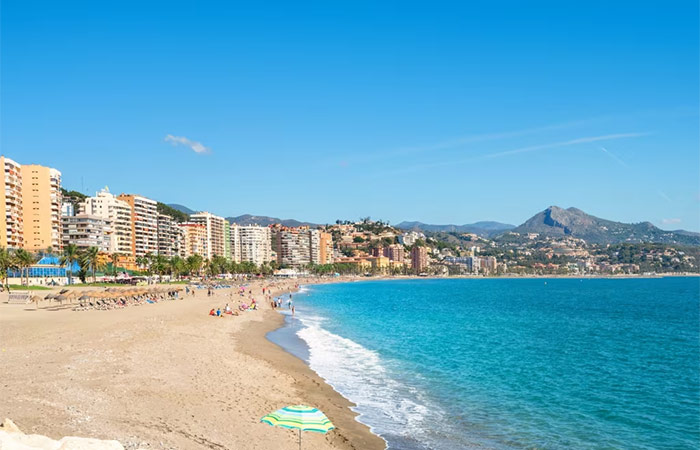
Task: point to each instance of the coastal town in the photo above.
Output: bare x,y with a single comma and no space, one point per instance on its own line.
53,235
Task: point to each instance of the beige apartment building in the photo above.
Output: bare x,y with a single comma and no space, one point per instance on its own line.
215,229
41,207
325,248
419,258
11,230
194,241
117,215
144,224
395,252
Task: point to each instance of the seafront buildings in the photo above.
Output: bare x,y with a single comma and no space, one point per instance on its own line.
144,224
250,243
169,236
215,232
117,214
31,196
297,247
11,229
85,231
41,207
419,258
395,252
194,236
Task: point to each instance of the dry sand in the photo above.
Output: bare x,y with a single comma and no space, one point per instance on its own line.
163,376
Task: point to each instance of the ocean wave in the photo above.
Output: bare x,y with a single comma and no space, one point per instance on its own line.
391,409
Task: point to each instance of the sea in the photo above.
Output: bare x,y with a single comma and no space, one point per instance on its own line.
509,363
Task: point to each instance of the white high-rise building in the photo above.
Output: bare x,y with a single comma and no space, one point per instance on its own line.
117,215
251,243
144,224
215,229
85,231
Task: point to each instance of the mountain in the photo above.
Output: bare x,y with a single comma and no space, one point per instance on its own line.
182,208
484,229
556,221
247,219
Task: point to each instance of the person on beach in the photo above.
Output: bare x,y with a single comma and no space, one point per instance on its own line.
227,309
218,312
292,311
212,312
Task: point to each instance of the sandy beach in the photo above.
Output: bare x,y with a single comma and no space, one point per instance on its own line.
163,376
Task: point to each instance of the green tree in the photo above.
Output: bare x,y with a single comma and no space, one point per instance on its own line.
90,261
194,264
68,258
114,258
6,264
177,266
24,260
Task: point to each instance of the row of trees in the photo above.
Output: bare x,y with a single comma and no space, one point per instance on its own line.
197,265
21,260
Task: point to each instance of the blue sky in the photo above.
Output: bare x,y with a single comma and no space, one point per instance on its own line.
443,112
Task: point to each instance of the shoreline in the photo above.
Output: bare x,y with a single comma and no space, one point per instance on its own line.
351,433
165,375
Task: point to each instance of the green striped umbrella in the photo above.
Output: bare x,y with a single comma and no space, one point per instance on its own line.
299,417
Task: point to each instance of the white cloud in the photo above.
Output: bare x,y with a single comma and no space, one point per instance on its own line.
670,221
197,147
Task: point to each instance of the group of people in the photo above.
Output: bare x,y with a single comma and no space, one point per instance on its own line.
245,292
277,303
218,312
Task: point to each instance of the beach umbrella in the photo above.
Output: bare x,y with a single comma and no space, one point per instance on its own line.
299,417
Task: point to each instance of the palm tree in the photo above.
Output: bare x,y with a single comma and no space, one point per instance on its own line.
194,264
90,261
68,258
177,266
115,260
24,261
6,264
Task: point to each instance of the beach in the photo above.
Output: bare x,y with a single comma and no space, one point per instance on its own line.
165,375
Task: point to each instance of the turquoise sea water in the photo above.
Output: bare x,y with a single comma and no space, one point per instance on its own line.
499,363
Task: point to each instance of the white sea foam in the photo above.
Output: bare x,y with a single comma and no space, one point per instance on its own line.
386,405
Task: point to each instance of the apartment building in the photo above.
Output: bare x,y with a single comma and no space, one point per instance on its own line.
85,231
41,207
169,236
419,258
215,232
11,229
395,252
325,248
410,237
227,241
144,224
251,243
297,247
117,215
194,239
